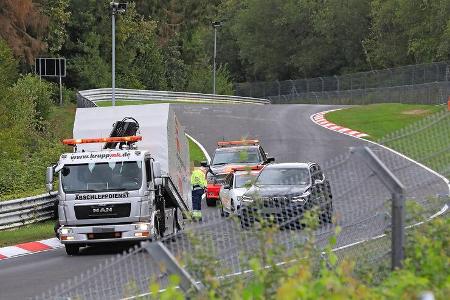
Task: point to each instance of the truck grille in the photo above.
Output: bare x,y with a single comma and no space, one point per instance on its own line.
121,210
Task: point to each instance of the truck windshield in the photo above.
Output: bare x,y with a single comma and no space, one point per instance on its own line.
99,177
236,157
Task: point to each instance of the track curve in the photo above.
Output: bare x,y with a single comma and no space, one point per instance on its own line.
285,132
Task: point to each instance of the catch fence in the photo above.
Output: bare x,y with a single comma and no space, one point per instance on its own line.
424,83
218,253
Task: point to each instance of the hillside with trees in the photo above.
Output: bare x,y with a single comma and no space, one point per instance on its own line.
168,45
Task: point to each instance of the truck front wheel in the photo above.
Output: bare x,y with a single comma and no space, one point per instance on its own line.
72,249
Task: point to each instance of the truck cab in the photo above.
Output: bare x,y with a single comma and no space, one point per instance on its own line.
115,187
120,193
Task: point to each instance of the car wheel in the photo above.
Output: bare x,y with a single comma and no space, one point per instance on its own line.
72,249
211,202
246,220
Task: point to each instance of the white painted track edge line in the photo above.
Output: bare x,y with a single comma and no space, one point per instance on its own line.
208,158
389,149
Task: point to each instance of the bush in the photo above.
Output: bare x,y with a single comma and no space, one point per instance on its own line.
201,80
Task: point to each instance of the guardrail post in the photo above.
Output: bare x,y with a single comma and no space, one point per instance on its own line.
160,253
398,198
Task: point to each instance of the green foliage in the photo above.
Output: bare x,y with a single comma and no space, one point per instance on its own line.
59,15
31,139
8,67
405,32
36,92
201,80
288,39
29,233
426,268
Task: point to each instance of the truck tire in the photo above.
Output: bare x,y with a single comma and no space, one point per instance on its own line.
158,227
72,249
211,202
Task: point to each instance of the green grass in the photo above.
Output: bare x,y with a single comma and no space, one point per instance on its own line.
421,132
28,233
196,153
377,120
140,102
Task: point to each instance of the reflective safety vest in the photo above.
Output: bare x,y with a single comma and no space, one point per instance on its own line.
198,179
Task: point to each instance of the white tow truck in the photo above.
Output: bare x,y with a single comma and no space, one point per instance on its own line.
129,187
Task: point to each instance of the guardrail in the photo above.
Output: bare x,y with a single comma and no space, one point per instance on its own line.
88,98
19,212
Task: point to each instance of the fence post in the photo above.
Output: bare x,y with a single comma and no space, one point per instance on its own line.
337,82
160,253
279,89
397,190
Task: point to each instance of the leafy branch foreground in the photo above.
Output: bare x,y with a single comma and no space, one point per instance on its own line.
309,275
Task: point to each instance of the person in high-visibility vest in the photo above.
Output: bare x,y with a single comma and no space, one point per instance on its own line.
198,182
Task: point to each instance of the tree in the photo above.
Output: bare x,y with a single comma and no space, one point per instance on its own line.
23,26
409,31
58,15
8,67
175,68
201,81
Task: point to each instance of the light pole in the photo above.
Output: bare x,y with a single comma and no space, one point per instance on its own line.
116,8
215,24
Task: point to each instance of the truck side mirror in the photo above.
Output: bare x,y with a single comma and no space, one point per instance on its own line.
204,164
157,173
156,169
49,179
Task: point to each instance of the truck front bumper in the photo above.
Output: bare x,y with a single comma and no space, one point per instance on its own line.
93,234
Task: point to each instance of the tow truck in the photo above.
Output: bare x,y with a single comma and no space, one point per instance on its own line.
125,187
229,155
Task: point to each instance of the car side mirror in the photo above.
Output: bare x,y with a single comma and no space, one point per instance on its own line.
226,187
204,164
49,179
270,159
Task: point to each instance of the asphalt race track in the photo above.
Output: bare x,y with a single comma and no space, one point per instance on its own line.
285,132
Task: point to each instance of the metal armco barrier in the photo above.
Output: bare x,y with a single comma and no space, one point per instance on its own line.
88,98
19,212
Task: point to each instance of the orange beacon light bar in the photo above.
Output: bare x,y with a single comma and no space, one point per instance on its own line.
238,143
73,142
253,168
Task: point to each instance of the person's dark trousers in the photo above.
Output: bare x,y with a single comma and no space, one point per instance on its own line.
197,199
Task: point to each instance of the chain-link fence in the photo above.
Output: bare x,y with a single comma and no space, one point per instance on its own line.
220,250
425,83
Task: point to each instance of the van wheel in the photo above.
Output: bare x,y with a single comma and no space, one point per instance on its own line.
72,249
